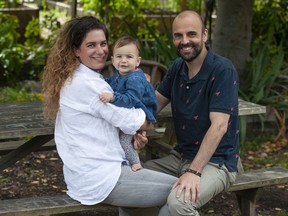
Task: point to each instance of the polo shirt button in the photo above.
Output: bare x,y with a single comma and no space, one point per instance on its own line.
187,87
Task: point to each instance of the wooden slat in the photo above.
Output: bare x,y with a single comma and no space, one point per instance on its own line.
6,147
22,119
25,149
260,178
47,205
248,108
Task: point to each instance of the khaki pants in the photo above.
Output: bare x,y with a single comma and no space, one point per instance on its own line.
214,180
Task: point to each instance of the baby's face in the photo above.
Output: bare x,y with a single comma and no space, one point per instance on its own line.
126,58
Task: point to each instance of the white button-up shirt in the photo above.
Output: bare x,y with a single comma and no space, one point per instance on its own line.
86,136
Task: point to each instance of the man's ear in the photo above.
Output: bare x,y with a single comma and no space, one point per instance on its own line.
205,35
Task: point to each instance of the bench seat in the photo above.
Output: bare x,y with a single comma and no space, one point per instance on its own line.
260,178
249,182
47,205
245,187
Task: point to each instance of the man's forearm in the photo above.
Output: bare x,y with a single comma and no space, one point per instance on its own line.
210,141
162,101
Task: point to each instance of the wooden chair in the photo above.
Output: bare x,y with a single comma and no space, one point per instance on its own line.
156,70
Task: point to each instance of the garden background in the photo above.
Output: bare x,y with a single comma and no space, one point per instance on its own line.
252,33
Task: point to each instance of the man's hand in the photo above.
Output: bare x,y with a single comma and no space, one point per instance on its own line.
140,140
106,97
189,184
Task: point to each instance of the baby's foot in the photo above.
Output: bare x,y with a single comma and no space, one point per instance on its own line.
136,167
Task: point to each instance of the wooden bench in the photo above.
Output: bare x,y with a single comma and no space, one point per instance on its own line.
248,184
245,187
47,205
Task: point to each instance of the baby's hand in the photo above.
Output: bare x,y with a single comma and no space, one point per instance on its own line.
106,97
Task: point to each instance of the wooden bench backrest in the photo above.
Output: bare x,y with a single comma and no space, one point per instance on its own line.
156,70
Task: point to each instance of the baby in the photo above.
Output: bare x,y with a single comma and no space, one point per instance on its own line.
131,89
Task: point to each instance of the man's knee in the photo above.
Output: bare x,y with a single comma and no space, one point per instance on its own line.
178,207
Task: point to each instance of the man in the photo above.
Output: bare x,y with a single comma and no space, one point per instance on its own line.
203,90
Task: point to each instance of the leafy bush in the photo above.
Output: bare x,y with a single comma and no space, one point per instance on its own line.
266,82
17,94
20,61
12,53
271,16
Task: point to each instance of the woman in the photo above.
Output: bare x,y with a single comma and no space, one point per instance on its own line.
87,130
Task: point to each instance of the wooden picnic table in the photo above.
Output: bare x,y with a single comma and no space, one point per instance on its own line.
21,120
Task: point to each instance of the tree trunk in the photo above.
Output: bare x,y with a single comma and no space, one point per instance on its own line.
232,34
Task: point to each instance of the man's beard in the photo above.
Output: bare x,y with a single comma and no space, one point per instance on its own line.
197,48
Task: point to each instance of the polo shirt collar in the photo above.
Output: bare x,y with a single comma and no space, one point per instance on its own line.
205,69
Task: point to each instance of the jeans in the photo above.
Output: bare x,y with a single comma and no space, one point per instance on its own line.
143,188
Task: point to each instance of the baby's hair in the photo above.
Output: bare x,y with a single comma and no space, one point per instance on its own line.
125,40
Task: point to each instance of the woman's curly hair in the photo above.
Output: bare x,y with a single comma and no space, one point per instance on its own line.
62,61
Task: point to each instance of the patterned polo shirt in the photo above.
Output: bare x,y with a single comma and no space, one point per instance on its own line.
213,89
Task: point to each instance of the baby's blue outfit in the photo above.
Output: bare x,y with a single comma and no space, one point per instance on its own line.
133,90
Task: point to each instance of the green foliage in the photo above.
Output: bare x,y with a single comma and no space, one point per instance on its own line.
40,47
107,10
282,213
267,76
195,5
17,94
270,16
260,86
164,48
11,52
155,45
10,3
20,61
265,83
2,4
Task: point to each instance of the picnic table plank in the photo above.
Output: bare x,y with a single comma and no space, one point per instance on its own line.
25,119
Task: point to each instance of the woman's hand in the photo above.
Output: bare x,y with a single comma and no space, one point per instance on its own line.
140,140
